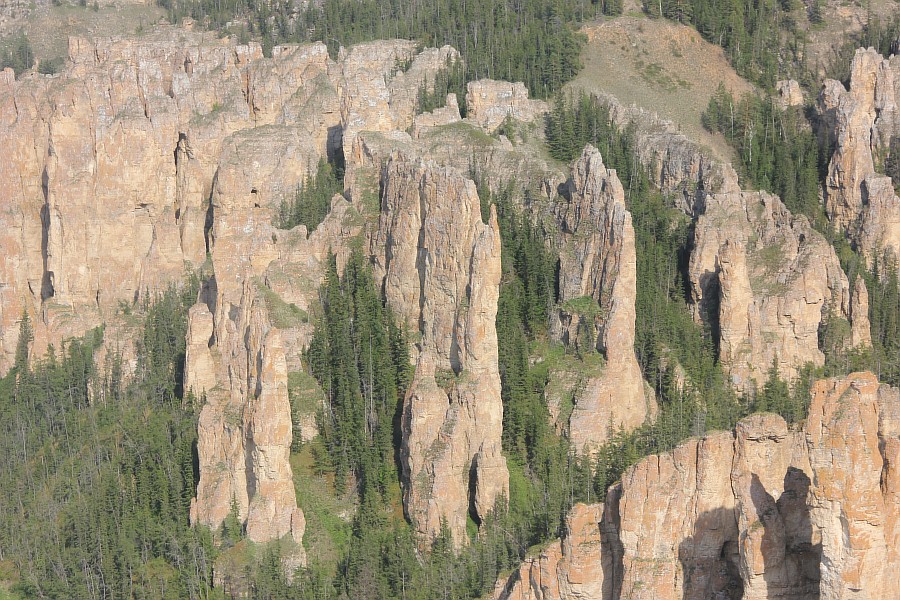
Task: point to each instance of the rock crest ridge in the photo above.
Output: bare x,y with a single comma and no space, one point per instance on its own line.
439,264
598,267
766,511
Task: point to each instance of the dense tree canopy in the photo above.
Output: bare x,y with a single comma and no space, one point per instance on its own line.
98,474
533,41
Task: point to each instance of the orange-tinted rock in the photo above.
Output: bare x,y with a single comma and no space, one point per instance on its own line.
861,122
598,266
440,267
852,433
110,167
771,281
765,512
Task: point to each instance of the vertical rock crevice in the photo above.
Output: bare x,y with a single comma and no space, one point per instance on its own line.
772,282
598,270
763,512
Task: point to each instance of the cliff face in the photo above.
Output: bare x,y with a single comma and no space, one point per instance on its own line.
109,167
145,158
675,164
861,122
768,281
245,425
598,268
569,568
440,267
853,435
490,102
763,512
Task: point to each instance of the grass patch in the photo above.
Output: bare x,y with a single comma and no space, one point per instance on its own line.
283,315
476,136
305,393
328,515
585,306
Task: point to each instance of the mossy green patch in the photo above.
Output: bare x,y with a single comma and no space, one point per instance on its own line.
283,315
585,306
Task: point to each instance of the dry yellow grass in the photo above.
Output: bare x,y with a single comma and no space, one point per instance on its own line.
660,66
48,27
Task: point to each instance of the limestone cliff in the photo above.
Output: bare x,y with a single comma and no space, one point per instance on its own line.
569,568
598,269
109,167
861,123
763,512
440,268
245,424
853,434
490,103
768,281
376,93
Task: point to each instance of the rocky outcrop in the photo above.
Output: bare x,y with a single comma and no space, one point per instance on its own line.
569,568
490,102
146,158
236,360
675,165
109,167
380,83
440,268
764,512
768,281
789,93
498,164
245,425
597,290
861,122
447,114
853,434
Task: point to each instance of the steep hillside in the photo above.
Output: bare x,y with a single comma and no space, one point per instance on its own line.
660,66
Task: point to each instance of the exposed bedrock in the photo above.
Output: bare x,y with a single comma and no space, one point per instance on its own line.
765,511
439,264
863,124
109,167
597,270
767,281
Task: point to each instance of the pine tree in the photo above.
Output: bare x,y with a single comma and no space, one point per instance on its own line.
23,345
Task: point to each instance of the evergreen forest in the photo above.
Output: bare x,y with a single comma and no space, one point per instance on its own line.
101,470
98,459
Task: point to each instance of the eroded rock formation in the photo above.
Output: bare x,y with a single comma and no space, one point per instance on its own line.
789,93
853,434
490,103
569,568
245,425
768,281
764,512
598,269
861,123
109,167
145,158
440,267
675,164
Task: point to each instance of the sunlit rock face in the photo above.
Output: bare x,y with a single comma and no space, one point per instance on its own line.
768,281
597,266
766,511
439,264
861,123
